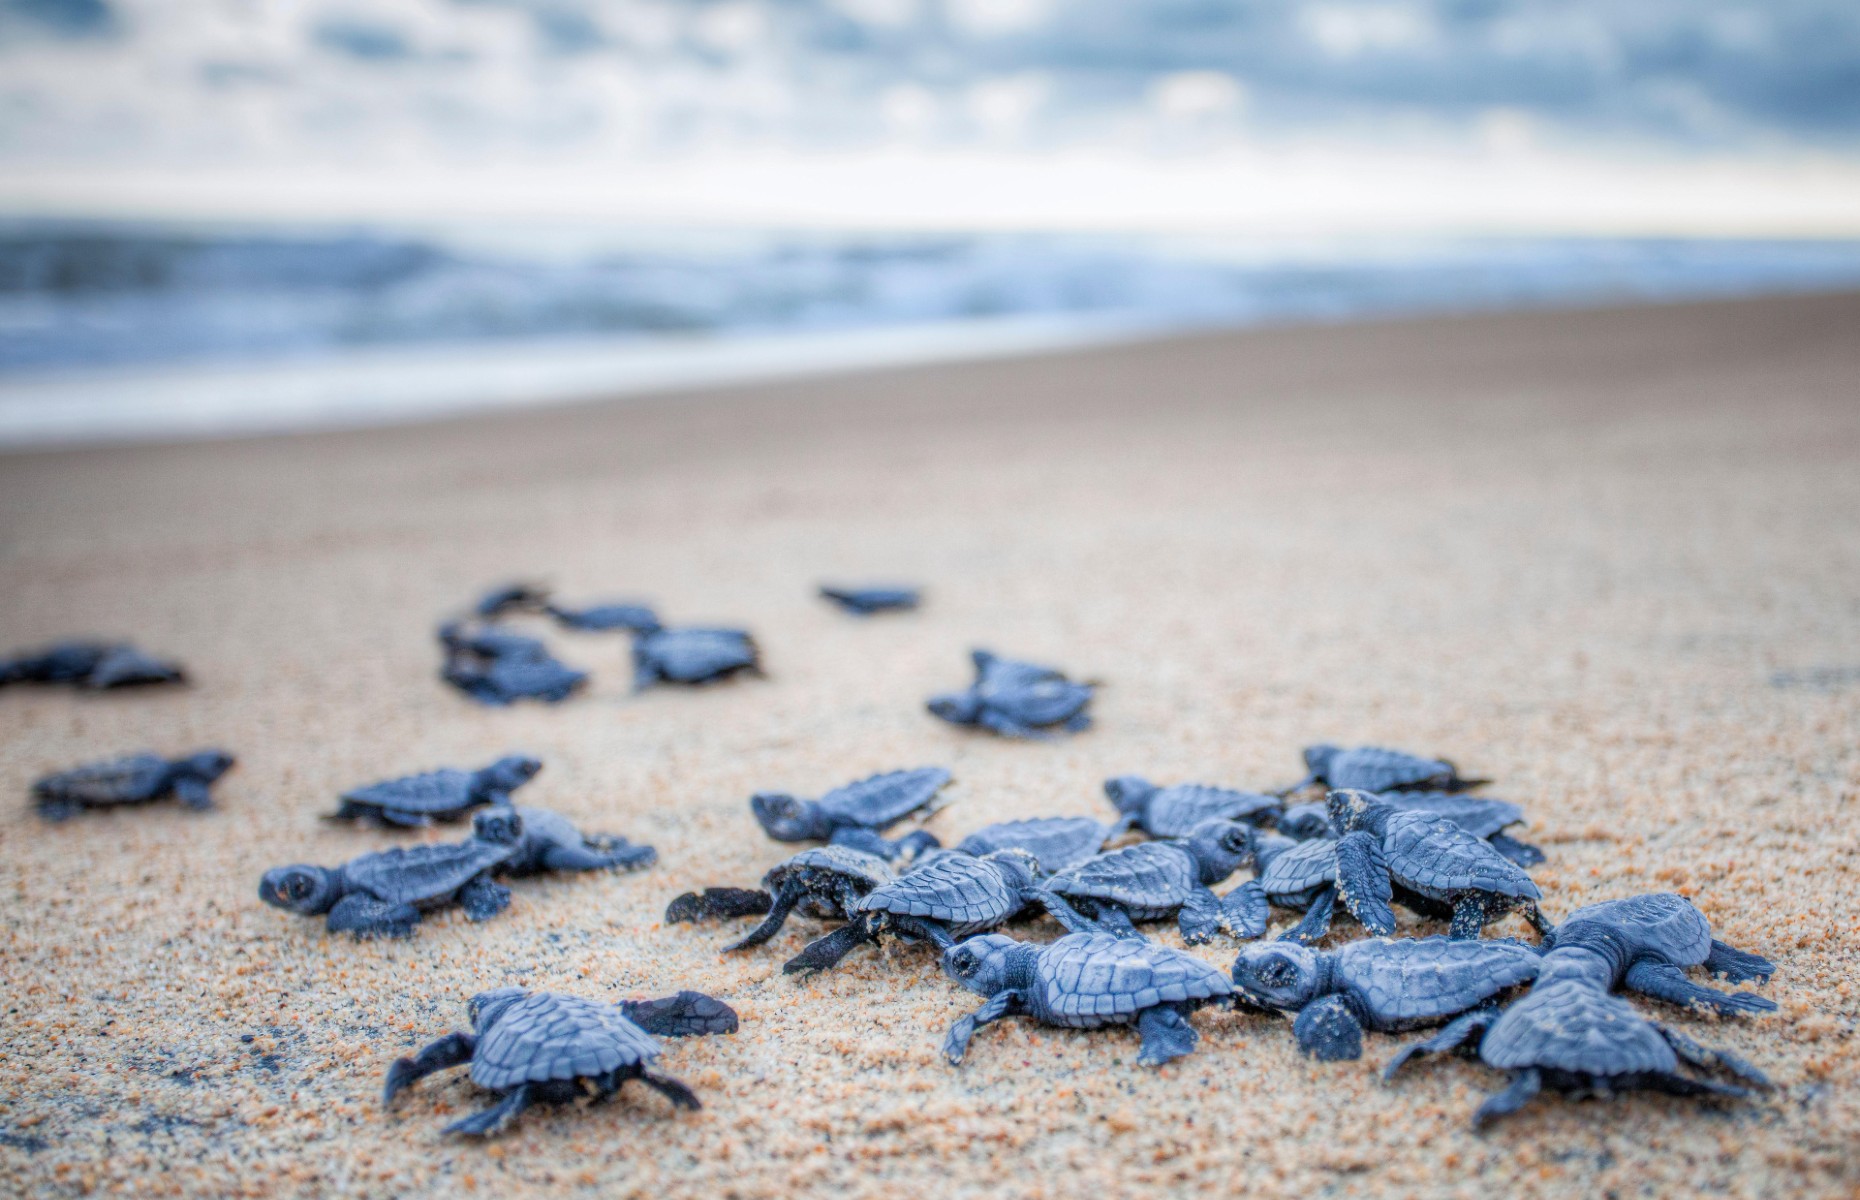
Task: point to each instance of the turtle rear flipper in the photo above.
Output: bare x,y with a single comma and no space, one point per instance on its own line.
825,953
1737,965
1664,981
1167,1035
493,1119
719,902
367,917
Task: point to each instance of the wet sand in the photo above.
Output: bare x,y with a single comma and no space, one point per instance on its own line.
1609,559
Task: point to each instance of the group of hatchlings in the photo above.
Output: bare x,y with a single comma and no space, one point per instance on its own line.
1391,828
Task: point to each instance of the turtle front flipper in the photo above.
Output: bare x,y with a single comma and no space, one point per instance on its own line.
718,902
1005,726
1167,1035
1317,918
1363,882
825,953
1707,1059
687,1014
1246,911
55,808
1525,1085
1200,917
1522,853
1737,965
1329,1030
1664,981
193,792
492,1119
366,917
1462,1034
1062,911
672,1089
453,1050
1001,1004
483,898
781,905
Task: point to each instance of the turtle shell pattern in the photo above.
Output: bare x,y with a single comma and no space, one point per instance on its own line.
1089,979
431,792
1149,879
883,799
857,865
1031,694
547,1036
695,655
1301,868
421,874
128,780
1660,923
1058,842
1573,1026
964,893
1174,811
1375,769
1436,858
1477,815
1413,981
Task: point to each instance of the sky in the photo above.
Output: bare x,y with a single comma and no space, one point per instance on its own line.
1660,116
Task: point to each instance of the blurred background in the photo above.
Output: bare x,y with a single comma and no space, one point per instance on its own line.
232,215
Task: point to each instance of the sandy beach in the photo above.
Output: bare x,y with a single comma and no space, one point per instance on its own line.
1609,559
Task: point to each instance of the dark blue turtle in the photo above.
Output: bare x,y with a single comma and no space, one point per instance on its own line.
1151,881
605,618
823,881
384,894
692,656
95,665
1057,842
541,841
1646,944
864,601
1086,981
1378,769
1388,985
545,1046
950,897
1170,812
1441,869
132,779
1016,699
858,813
443,795
1571,1036
507,598
496,666
1296,875
1480,816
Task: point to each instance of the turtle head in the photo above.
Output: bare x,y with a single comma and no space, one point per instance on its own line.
486,1007
302,889
1221,847
500,825
984,965
958,708
785,818
207,765
914,845
1306,821
1129,793
1020,868
509,773
1281,975
1352,809
1318,759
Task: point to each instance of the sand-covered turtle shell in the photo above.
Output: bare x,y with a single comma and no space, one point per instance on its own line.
1097,978
1148,876
1417,980
869,870
1571,1025
547,1036
1058,842
418,874
131,779
1436,858
883,799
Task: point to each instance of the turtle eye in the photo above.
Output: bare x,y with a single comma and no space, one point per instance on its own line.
1234,842
963,961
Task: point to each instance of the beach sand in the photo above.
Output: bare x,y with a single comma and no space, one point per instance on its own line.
1609,559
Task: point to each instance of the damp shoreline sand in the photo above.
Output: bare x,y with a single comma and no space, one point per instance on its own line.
1607,558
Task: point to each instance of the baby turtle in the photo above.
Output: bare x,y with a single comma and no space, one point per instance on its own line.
1440,867
825,881
855,813
1297,875
864,601
540,841
604,618
97,666
1170,812
1573,1037
510,598
1377,769
444,795
497,667
1016,699
1057,842
547,1046
384,894
952,897
1153,880
1646,943
132,779
1377,983
1477,815
1084,981
692,656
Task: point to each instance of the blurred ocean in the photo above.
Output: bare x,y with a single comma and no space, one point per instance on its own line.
141,331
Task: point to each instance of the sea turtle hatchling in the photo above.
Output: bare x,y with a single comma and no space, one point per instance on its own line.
1645,943
1057,842
1383,984
1154,880
1170,812
1441,868
541,841
1481,816
865,601
497,666
604,618
1296,875
547,1046
1572,1036
443,795
1379,769
384,894
824,881
95,665
1085,981
855,813
132,779
1016,699
950,897
692,656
